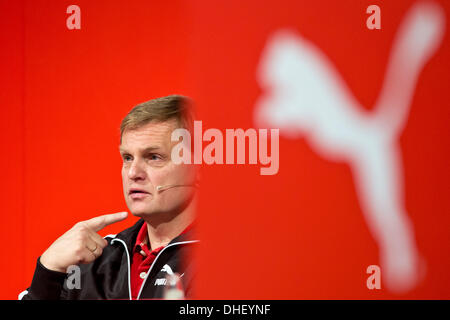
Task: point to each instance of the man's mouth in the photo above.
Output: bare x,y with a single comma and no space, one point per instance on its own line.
136,193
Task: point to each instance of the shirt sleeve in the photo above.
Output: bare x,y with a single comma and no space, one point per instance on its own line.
46,284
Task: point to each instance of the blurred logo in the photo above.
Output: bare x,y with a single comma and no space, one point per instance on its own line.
305,96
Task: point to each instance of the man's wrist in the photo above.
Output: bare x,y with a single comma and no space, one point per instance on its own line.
44,261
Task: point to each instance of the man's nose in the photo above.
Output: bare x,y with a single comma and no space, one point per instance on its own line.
136,170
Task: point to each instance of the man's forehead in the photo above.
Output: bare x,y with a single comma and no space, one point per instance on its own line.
152,135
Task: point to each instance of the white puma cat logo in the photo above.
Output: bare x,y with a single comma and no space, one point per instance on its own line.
163,281
306,97
167,268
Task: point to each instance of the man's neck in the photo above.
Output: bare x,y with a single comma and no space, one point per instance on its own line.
161,233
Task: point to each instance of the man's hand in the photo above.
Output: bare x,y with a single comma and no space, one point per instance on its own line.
81,244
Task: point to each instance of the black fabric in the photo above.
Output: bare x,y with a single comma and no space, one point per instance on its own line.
107,277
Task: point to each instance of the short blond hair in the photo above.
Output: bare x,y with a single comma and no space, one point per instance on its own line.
159,110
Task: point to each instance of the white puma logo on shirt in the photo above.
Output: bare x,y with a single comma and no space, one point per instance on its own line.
162,281
167,269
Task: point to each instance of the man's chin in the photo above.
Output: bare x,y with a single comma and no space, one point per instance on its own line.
144,212
139,209
141,213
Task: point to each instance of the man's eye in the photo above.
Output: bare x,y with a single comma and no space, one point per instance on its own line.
126,158
154,157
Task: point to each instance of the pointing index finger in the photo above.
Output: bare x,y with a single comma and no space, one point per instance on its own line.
98,223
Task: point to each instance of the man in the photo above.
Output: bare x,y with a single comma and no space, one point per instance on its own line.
143,261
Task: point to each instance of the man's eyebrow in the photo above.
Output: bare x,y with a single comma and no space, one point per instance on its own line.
148,149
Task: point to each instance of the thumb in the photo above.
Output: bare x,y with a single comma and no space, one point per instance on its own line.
98,223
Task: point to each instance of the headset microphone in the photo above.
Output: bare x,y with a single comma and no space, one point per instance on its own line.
169,186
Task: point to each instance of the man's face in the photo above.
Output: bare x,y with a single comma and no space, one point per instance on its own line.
146,155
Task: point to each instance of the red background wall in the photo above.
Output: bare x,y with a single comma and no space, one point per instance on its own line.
295,235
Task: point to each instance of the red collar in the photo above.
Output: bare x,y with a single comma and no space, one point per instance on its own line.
142,240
